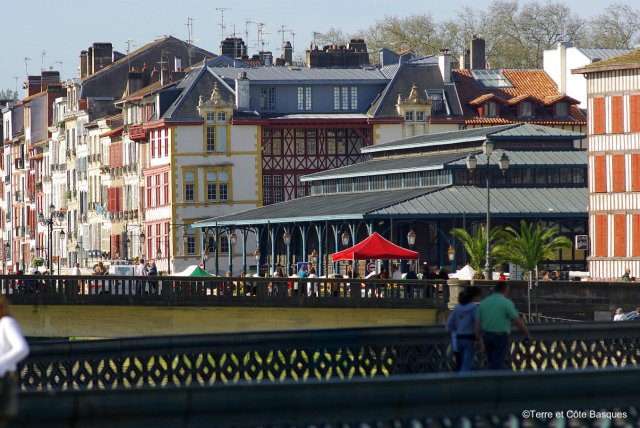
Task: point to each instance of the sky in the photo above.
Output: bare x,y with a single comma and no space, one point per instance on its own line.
63,30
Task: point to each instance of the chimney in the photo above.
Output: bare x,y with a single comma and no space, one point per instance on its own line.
444,62
478,58
562,83
242,92
33,85
83,64
135,81
102,56
89,61
177,64
164,76
288,53
464,60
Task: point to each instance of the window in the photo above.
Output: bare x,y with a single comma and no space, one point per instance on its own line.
217,185
210,117
166,142
191,245
490,109
166,188
419,116
408,116
211,244
189,188
224,244
222,118
268,98
562,109
211,138
345,98
304,98
277,194
526,109
491,78
437,103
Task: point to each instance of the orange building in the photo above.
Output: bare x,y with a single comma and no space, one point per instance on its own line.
613,91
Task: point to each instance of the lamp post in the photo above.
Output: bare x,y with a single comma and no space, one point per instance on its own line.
411,238
55,217
346,236
257,254
233,239
451,254
472,162
62,236
287,241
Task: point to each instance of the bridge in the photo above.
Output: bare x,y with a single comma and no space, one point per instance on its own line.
109,307
392,376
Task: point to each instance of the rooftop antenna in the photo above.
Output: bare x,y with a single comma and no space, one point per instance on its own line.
222,27
189,25
59,62
15,94
293,41
42,55
261,34
282,30
246,29
26,65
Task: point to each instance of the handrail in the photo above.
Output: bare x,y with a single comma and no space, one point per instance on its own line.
317,354
486,399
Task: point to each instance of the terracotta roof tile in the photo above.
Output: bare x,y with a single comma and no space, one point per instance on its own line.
486,97
520,98
552,99
533,84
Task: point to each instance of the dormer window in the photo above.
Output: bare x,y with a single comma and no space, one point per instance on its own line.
408,116
490,109
526,109
562,109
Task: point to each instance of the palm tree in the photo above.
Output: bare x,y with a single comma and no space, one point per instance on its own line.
529,246
476,246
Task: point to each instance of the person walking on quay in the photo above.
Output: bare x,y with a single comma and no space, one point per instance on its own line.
141,270
493,326
13,349
627,275
153,271
462,325
619,316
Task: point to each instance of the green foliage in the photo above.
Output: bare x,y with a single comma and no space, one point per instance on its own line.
36,262
476,246
530,245
8,94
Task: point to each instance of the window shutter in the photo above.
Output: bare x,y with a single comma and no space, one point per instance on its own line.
598,116
619,235
618,173
600,174
601,235
635,235
634,112
635,172
617,115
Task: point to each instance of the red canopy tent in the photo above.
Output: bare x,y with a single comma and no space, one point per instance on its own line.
374,247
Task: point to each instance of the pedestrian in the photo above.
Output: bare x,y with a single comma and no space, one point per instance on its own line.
493,325
502,276
13,349
627,275
462,325
312,286
141,270
619,316
76,270
153,271
396,273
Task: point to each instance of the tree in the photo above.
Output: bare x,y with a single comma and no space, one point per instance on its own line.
529,246
8,94
618,27
476,246
333,36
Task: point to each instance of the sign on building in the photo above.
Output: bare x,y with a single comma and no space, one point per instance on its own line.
582,242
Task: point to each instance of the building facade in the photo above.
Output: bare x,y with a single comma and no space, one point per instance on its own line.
613,88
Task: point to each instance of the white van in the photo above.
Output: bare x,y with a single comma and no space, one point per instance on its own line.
118,286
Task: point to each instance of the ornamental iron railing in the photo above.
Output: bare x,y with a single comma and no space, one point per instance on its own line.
584,398
321,355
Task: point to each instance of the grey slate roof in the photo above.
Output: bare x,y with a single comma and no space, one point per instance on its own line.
286,75
593,53
416,203
425,76
505,202
386,166
198,82
497,132
466,135
569,158
322,207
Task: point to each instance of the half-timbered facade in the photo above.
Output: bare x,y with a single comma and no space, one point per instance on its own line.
613,88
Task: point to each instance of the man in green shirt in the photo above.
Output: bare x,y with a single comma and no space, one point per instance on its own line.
493,325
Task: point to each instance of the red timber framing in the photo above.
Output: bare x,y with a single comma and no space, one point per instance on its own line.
292,151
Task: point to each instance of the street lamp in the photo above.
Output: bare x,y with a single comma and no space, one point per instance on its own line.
55,217
346,236
62,236
411,238
314,256
451,254
257,254
287,241
472,162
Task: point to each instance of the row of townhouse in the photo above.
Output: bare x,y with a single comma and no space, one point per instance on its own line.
121,161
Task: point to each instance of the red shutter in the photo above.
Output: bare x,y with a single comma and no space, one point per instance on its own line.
619,235
601,235
617,115
618,173
598,116
635,172
634,113
600,174
635,236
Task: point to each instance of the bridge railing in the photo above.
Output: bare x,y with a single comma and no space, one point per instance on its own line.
575,398
176,290
307,355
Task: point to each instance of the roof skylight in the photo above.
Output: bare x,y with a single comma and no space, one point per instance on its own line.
491,79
